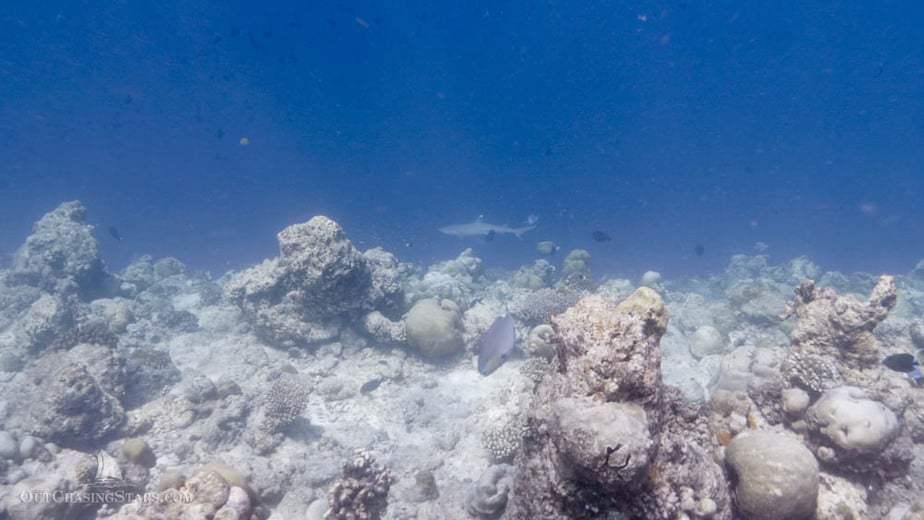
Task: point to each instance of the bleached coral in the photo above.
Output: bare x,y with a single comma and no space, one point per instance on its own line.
850,421
533,276
488,497
503,440
539,342
434,327
841,325
777,476
456,280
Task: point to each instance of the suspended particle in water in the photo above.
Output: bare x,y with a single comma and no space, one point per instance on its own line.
245,141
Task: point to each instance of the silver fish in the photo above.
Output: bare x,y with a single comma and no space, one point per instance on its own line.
496,344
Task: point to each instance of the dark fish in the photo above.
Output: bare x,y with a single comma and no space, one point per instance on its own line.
489,237
220,133
496,345
901,362
114,233
699,249
602,236
253,42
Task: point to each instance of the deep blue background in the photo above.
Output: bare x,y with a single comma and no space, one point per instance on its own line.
666,124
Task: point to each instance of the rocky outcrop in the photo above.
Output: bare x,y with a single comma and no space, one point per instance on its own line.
61,256
302,296
604,434
841,326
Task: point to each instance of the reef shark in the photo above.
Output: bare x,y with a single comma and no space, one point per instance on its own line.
480,228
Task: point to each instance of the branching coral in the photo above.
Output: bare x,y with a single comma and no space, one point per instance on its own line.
538,306
503,441
282,404
810,371
362,491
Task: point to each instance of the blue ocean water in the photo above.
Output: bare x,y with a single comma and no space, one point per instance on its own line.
664,124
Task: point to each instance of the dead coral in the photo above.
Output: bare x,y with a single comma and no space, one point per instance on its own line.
362,492
810,371
605,434
841,325
503,441
535,307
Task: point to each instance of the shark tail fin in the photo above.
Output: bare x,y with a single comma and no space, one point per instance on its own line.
518,232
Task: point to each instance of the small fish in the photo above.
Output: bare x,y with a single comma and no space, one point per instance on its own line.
496,345
903,362
489,236
532,219
253,42
220,133
699,249
114,233
601,236
916,376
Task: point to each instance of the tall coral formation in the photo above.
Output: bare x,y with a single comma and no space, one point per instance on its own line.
61,255
841,325
834,356
604,434
301,296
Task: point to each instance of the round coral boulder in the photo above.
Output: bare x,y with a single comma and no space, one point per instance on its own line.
434,327
777,476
